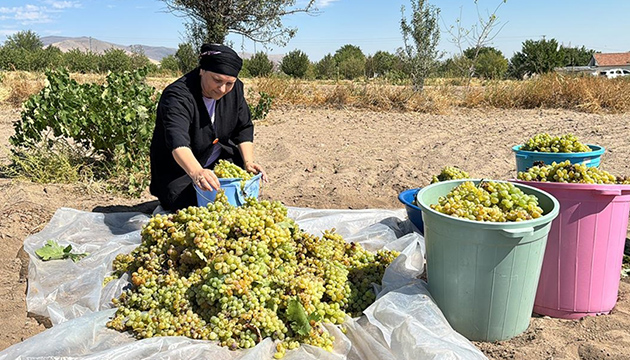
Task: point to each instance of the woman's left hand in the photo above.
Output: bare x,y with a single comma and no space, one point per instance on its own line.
252,167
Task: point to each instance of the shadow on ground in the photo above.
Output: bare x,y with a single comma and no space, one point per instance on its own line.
146,208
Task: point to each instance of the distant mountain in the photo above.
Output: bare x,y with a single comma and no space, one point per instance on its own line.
154,53
84,43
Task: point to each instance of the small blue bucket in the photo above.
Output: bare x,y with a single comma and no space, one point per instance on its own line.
232,187
414,212
526,159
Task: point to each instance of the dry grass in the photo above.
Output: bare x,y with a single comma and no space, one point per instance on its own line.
440,96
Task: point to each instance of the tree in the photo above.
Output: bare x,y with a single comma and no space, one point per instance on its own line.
486,62
260,21
477,37
114,60
295,64
350,61
27,40
421,36
186,57
326,68
535,57
380,64
78,61
576,56
259,65
170,63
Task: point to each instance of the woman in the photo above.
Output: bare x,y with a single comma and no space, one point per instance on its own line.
201,118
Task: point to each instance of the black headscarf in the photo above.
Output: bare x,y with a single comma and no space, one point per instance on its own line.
220,59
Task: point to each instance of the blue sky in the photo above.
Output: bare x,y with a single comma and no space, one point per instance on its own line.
370,24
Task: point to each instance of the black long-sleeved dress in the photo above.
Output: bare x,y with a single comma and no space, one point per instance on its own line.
183,120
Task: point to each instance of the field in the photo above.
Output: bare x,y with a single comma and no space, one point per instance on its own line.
349,158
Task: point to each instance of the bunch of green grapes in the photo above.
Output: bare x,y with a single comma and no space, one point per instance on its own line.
562,144
570,173
240,274
489,201
450,173
227,170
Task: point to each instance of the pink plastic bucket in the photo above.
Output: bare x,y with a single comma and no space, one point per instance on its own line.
582,263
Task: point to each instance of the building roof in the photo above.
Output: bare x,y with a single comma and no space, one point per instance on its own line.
612,59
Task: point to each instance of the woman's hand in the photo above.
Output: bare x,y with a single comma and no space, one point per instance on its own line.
205,179
252,167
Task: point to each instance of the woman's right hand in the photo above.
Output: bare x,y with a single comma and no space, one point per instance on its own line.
205,179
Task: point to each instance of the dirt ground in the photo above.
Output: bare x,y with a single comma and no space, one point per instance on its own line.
340,158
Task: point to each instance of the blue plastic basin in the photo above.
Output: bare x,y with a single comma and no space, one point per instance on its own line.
414,213
526,159
232,187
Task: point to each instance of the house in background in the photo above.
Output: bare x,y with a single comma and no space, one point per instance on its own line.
602,62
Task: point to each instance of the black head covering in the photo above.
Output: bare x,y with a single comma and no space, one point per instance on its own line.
220,59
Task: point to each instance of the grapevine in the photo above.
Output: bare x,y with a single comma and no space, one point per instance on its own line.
489,201
240,274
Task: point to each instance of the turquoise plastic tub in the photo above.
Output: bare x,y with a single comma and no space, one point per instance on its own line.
483,275
414,213
526,159
232,187
583,258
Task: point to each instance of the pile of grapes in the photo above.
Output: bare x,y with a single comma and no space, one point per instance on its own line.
563,144
570,173
489,201
228,170
240,274
450,173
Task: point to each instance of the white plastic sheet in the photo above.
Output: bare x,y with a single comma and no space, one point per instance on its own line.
403,323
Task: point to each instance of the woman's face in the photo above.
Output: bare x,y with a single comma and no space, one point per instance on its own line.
214,85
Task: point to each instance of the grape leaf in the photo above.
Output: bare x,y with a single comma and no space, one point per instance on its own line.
296,314
53,251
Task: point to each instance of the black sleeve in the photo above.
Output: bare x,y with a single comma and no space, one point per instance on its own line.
177,111
244,130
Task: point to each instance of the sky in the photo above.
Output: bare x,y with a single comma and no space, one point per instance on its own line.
369,24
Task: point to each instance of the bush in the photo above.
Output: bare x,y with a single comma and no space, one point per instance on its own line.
113,121
259,65
295,64
115,60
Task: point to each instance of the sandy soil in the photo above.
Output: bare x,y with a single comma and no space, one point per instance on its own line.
339,158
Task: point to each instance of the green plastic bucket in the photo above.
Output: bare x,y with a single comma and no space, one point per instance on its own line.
484,275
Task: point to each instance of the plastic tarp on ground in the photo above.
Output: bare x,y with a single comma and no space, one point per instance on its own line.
403,323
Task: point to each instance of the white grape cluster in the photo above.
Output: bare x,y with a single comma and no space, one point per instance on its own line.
240,274
489,201
450,173
566,172
556,144
227,170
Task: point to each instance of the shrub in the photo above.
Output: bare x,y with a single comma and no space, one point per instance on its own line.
113,121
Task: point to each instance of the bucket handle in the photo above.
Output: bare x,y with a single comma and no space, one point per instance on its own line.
608,192
522,156
515,233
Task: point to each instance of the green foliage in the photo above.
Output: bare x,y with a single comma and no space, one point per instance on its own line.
421,35
259,65
326,68
76,60
53,251
295,64
457,66
262,108
491,65
26,40
576,56
115,60
350,61
186,57
171,64
536,57
114,121
381,64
